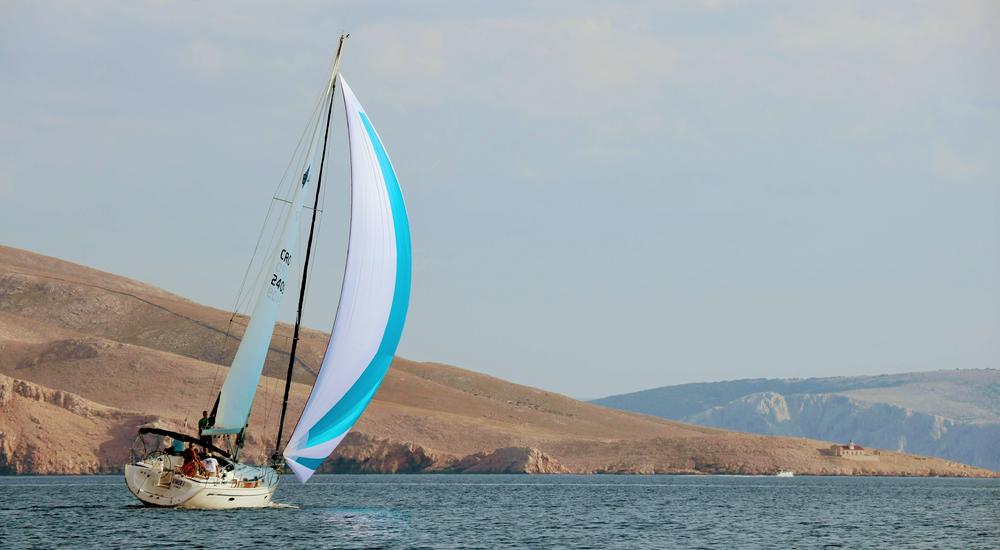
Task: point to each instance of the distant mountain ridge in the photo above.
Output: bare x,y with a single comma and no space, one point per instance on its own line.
952,414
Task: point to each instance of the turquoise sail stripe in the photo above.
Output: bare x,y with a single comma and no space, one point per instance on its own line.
311,463
346,412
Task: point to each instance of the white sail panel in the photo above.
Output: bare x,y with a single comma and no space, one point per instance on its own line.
373,300
241,381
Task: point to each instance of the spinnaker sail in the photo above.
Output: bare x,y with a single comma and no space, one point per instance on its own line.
373,301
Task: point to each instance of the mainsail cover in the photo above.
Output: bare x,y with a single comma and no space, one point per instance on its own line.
241,382
373,301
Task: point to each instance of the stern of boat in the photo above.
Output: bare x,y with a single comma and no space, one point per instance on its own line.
155,482
158,482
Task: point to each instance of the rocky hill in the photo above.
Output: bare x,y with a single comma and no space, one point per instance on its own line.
87,357
952,414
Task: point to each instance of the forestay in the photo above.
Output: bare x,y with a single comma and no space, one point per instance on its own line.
240,386
373,301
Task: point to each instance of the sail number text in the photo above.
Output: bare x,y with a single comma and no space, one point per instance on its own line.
277,282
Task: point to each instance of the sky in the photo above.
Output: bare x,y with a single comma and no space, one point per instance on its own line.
603,196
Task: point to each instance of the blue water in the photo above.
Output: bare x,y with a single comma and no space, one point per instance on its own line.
498,511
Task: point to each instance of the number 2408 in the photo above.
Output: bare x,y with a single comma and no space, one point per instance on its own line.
279,283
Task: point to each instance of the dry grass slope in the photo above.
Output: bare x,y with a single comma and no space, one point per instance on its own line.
86,357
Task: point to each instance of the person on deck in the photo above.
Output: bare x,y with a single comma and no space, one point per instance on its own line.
192,464
204,424
211,466
176,448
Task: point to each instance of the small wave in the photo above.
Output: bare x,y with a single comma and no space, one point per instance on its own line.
46,507
282,506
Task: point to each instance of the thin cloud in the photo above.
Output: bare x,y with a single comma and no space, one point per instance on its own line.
204,56
544,68
888,33
953,166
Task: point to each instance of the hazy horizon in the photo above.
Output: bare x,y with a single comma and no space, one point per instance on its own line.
603,198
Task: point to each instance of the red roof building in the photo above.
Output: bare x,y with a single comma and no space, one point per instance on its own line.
851,449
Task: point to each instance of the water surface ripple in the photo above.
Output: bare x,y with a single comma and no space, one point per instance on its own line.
499,511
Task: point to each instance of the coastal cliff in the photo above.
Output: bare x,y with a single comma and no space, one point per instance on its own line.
41,447
951,414
87,357
840,418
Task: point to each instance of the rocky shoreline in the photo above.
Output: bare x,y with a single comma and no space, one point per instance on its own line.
87,357
21,454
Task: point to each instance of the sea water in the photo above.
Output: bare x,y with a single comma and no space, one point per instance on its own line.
516,511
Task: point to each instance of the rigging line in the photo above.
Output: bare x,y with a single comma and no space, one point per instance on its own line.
244,293
350,229
263,267
270,380
312,228
305,275
307,130
269,386
256,247
297,152
314,114
290,202
302,156
243,283
318,238
306,155
239,293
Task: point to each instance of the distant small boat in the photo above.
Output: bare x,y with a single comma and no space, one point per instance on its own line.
785,473
367,327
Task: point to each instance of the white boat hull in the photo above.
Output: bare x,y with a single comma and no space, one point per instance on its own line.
157,483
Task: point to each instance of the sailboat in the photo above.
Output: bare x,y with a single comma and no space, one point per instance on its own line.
367,327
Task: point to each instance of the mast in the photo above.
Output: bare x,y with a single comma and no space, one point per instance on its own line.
305,268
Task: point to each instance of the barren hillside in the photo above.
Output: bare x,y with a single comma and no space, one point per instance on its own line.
86,357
